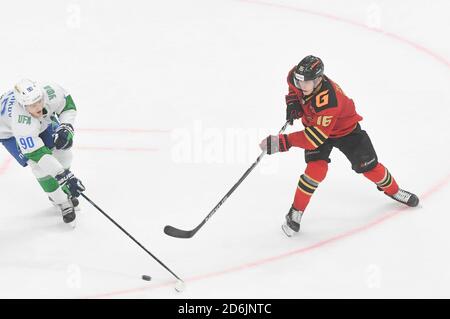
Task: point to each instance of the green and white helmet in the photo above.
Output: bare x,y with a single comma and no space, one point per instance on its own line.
27,92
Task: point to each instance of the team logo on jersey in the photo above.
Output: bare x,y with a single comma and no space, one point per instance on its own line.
24,119
325,98
322,98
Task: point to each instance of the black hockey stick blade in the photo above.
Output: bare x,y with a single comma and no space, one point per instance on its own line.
179,233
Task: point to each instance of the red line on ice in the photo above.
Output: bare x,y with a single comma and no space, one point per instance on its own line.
389,215
397,37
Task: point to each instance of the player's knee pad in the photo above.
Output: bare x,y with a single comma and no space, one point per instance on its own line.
309,181
359,150
48,184
377,173
37,171
64,157
317,170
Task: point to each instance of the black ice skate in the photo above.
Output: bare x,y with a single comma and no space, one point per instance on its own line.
292,224
405,197
68,212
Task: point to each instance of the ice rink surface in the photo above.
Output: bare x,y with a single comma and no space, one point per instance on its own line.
173,98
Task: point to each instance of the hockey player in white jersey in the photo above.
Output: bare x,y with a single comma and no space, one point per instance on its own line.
36,127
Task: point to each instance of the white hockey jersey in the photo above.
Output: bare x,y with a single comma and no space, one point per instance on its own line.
16,121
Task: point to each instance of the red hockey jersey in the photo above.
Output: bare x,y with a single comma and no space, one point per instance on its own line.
327,113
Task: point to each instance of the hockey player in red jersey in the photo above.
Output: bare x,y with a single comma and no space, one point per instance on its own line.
330,120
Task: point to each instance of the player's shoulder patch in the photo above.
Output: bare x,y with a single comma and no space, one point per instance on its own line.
325,98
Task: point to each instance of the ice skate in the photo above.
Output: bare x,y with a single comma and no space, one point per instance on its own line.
68,213
292,224
405,197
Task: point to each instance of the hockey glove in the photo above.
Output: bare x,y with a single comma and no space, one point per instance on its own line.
293,111
274,144
63,138
70,184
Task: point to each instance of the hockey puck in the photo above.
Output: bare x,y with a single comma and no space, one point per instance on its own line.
146,278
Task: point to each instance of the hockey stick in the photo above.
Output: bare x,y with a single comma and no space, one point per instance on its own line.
179,233
180,281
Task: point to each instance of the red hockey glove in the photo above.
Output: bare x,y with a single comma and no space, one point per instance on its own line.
293,110
274,144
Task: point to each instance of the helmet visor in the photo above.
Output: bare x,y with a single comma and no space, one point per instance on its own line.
305,86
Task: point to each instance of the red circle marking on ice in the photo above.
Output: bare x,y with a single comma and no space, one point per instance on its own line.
296,252
394,36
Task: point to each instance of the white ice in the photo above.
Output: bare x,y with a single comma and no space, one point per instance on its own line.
173,98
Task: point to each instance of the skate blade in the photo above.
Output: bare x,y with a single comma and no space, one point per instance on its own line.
287,230
72,224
